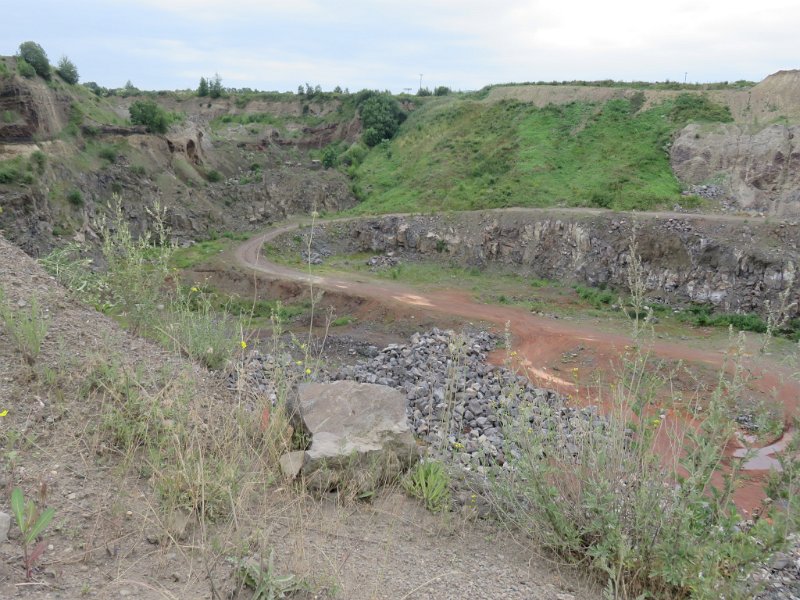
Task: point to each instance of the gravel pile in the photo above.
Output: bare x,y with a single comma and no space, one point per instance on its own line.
780,578
457,402
711,192
382,261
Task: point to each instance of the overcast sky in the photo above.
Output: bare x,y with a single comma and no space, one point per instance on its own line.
464,44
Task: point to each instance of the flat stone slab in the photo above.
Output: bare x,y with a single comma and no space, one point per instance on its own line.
360,436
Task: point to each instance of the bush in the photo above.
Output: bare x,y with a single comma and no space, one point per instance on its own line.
696,108
149,114
329,156
108,153
202,89
39,160
214,176
36,57
25,69
381,117
75,197
423,91
441,90
354,155
67,70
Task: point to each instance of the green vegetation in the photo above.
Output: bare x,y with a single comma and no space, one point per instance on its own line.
429,482
597,297
67,70
75,197
693,108
31,522
202,88
262,578
215,86
151,115
380,116
460,154
25,68
33,54
28,328
18,170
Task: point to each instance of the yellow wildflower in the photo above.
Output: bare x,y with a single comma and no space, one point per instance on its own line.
243,344
308,371
4,413
194,289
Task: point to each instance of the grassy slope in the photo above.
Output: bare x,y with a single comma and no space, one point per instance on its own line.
463,154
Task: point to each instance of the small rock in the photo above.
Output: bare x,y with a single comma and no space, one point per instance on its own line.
5,525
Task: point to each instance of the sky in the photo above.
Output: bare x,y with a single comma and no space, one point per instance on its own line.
377,44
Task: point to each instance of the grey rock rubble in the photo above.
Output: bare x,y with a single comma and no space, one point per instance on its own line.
780,578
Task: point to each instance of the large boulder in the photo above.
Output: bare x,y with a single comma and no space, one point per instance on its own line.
360,436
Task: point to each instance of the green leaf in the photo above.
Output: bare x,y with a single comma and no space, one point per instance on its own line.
42,522
18,507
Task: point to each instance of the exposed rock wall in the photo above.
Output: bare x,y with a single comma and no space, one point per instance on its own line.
734,264
760,170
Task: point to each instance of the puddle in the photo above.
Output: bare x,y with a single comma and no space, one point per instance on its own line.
764,459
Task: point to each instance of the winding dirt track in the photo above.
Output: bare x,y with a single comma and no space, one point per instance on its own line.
537,340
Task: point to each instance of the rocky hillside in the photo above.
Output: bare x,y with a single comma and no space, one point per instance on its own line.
223,164
242,161
721,262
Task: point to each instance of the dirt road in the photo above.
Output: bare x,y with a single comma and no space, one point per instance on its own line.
539,341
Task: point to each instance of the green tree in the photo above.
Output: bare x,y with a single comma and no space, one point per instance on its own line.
380,116
215,87
36,57
441,90
67,70
202,89
149,114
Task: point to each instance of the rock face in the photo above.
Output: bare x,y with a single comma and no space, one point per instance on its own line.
737,266
760,170
360,437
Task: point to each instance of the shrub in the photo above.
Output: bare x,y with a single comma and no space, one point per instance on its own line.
202,88
693,107
67,70
354,155
25,68
329,156
108,153
149,114
423,91
381,116
36,57
75,197
441,90
39,160
214,176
